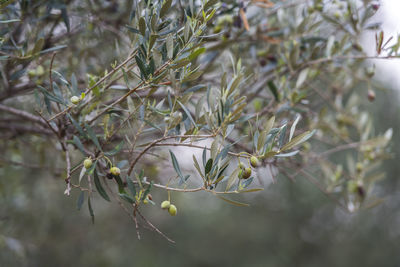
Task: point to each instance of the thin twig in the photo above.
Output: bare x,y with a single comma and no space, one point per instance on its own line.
96,84
200,147
23,114
154,228
68,160
130,214
338,149
132,165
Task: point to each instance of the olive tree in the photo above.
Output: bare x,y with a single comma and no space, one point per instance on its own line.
262,89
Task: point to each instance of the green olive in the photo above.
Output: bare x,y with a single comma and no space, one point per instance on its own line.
254,162
246,173
115,171
87,163
165,204
75,100
172,210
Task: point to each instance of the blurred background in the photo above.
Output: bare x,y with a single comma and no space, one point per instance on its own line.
288,224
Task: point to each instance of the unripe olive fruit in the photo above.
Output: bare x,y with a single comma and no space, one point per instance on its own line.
172,210
87,163
145,201
39,71
75,100
165,204
115,171
254,162
241,165
246,173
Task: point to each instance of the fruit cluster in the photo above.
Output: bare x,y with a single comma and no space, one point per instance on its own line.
166,205
245,172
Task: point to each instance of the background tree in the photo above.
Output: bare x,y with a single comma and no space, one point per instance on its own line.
122,84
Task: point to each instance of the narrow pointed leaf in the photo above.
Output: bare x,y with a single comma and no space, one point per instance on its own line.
293,128
232,179
208,166
165,7
115,150
131,186
81,199
79,145
91,210
176,164
93,136
236,203
99,187
298,140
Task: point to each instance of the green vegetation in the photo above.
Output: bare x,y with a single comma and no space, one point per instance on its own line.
103,95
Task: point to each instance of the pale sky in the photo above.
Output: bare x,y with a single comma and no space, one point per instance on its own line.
388,14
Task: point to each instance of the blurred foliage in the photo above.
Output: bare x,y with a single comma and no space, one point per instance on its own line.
114,96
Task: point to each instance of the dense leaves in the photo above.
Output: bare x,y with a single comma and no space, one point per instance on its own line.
275,80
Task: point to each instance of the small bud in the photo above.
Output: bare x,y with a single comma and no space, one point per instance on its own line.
254,162
115,171
75,100
165,204
172,210
87,163
371,95
246,173
145,201
241,165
